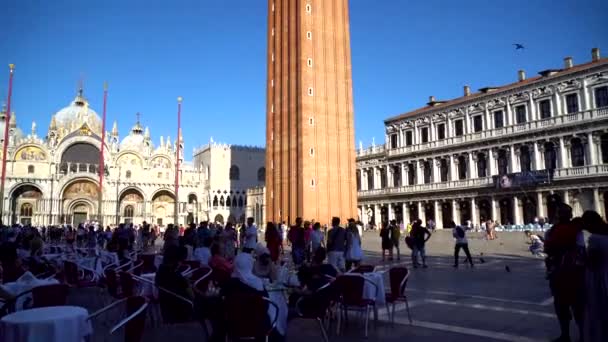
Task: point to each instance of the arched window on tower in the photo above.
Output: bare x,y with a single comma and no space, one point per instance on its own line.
221,201
234,202
262,174
577,152
215,202
235,173
240,201
228,202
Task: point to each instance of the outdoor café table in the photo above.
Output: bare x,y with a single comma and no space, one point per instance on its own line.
147,288
376,293
48,324
25,283
277,295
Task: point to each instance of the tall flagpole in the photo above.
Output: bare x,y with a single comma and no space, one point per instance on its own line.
101,160
178,141
6,129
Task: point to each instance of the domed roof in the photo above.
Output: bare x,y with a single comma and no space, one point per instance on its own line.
76,114
136,140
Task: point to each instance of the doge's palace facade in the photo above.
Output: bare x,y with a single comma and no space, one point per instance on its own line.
499,153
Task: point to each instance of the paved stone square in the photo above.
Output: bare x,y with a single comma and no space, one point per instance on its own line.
484,303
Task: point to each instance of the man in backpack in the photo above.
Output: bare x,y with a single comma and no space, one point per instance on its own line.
459,234
420,235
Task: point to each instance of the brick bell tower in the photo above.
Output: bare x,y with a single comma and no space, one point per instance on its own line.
310,143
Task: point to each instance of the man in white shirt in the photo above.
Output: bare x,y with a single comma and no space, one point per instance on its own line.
251,236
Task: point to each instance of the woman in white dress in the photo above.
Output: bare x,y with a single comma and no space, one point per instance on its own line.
354,253
595,321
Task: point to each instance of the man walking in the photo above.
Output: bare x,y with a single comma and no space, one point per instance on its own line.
251,236
336,244
420,235
395,237
459,233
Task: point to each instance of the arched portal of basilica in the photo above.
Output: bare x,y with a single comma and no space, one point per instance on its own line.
79,201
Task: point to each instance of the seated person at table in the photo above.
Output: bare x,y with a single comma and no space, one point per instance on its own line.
318,273
243,281
10,262
203,253
218,262
263,266
169,278
35,262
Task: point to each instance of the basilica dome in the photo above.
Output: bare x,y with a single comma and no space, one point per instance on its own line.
76,114
136,140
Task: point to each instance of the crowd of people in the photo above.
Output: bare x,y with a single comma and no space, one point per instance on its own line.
577,270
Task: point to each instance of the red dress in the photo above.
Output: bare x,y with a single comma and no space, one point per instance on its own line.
273,243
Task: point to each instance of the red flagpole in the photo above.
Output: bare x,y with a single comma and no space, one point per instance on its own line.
178,140
6,130
101,160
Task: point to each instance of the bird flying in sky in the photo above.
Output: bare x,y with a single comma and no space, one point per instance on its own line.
518,46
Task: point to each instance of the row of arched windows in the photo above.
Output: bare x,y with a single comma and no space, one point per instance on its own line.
235,173
229,202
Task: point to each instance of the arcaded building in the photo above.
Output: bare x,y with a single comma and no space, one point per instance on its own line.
499,153
310,128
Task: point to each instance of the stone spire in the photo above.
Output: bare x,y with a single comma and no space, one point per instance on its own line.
147,133
13,122
115,129
53,124
168,142
33,128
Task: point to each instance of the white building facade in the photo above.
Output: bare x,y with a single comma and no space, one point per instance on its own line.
500,153
228,172
54,179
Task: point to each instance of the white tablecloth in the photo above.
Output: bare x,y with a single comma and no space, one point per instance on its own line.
25,283
278,297
50,324
147,289
369,290
91,264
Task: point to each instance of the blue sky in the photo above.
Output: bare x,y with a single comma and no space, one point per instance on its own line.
213,53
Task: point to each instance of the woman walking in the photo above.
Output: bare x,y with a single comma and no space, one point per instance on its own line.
387,243
273,241
228,239
354,254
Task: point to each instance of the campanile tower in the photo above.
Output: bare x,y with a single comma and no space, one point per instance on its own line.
310,144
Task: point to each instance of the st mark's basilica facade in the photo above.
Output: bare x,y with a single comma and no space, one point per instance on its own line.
53,178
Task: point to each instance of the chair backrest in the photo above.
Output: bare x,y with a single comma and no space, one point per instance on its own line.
251,323
192,263
174,308
112,282
199,273
219,276
137,268
398,277
127,284
350,288
183,269
316,305
135,321
364,269
148,266
70,270
201,283
50,295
